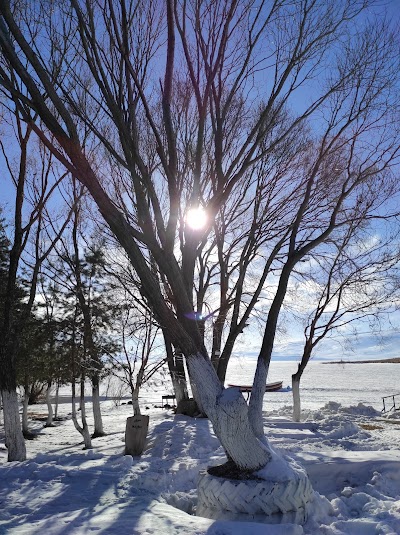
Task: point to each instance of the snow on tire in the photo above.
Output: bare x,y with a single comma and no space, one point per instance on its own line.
258,499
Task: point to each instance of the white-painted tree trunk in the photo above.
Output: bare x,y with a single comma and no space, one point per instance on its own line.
49,421
135,402
84,429
296,400
14,438
228,412
98,421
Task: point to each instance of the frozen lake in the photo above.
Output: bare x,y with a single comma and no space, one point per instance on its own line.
348,384
351,455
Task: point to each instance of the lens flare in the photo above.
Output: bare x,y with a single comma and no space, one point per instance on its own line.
196,218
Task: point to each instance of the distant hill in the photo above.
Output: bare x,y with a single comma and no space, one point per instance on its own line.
395,360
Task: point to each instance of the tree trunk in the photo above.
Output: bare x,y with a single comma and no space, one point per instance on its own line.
257,398
49,421
98,422
135,402
248,452
223,359
14,438
88,342
84,430
227,410
56,400
177,372
85,427
180,386
296,398
296,377
25,403
264,357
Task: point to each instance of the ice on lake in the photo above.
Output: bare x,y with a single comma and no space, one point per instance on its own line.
347,384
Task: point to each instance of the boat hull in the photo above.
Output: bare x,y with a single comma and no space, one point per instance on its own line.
269,387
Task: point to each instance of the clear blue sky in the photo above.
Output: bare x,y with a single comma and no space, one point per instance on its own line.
365,346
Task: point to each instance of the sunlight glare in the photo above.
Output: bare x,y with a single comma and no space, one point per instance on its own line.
196,218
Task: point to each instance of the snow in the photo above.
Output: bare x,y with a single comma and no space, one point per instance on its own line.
350,452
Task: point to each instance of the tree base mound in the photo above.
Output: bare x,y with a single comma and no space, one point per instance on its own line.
246,497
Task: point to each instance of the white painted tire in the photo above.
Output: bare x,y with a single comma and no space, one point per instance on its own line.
255,499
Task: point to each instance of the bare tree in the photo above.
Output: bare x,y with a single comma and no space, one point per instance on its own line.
139,316
250,233
31,244
136,365
352,281
224,52
56,370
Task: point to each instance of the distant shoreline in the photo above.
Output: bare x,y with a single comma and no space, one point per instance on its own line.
395,360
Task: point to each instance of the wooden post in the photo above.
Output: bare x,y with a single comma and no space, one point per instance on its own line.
135,434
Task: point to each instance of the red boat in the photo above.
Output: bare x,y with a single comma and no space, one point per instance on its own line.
269,387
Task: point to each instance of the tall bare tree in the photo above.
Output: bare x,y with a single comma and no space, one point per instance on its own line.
265,57
352,282
35,181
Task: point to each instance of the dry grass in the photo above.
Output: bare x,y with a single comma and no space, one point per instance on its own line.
37,416
371,427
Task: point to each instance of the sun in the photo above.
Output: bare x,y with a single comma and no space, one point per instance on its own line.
196,218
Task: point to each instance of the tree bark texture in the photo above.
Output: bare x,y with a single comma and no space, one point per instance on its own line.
14,438
49,421
84,429
135,402
296,399
177,372
264,358
25,403
56,400
228,412
88,342
296,377
15,442
98,421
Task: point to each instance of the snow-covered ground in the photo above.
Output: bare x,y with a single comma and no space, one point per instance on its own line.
350,452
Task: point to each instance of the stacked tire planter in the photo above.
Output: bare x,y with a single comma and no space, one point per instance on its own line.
258,500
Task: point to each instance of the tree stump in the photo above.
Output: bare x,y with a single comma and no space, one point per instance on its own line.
136,434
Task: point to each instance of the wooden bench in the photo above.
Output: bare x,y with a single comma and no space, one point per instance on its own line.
167,397
269,387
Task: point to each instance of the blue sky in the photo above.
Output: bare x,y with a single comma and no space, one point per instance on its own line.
364,346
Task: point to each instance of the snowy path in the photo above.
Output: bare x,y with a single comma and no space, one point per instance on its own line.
351,453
